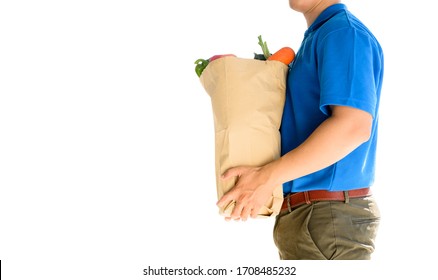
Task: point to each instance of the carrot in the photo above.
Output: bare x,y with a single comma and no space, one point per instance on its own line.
285,55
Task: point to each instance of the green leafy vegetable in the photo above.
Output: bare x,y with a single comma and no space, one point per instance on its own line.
200,66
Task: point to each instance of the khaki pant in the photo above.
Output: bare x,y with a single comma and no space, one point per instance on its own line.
328,230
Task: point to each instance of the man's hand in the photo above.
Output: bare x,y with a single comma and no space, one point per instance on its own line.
250,192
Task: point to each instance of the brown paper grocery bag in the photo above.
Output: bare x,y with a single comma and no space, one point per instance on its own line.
247,97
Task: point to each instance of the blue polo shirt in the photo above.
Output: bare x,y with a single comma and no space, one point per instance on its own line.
339,62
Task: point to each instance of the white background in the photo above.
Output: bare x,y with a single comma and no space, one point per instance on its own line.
106,138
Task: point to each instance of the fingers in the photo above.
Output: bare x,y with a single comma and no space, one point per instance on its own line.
246,213
241,210
244,210
226,199
254,213
230,195
237,211
245,205
233,172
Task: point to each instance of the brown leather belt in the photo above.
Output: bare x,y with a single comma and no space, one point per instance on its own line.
296,199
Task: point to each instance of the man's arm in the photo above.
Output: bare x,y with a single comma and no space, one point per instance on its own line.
345,130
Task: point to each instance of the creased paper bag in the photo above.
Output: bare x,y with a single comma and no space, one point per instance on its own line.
247,98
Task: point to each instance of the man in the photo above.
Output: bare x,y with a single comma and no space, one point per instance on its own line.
329,137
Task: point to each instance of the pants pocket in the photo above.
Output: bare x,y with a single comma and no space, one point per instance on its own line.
292,236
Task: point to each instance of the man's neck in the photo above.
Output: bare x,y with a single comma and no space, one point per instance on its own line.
311,14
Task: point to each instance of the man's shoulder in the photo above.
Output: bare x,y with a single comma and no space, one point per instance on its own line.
344,26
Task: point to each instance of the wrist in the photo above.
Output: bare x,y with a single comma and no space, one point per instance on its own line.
270,175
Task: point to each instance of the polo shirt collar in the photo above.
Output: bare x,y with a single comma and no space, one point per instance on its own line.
325,15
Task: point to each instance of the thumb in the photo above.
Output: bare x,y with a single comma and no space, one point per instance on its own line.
232,172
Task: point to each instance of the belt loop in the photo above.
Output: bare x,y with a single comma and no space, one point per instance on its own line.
288,203
306,197
346,197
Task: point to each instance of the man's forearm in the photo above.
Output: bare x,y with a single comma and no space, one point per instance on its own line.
335,138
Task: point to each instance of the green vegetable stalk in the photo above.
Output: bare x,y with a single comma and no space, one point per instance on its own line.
265,50
264,46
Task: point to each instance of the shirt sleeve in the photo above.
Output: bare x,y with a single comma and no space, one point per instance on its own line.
348,65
